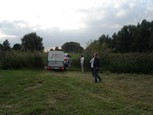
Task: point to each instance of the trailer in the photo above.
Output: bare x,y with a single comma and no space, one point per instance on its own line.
56,60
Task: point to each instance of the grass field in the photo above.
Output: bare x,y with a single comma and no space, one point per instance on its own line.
41,92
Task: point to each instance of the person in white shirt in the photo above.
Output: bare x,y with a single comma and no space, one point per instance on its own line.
82,63
91,65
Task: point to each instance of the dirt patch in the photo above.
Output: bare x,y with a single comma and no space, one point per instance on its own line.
62,96
38,85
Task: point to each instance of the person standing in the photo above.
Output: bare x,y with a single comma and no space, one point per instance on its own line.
82,63
96,65
91,65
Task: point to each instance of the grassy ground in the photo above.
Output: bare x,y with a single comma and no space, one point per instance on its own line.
41,92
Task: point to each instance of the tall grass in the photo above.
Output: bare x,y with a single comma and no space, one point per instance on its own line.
131,63
125,63
18,59
75,65
113,62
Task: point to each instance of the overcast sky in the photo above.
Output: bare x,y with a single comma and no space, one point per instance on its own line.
61,21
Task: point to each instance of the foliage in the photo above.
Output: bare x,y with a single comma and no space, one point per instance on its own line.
1,47
123,62
17,46
114,62
57,48
18,60
6,45
72,47
128,51
39,92
130,63
135,38
129,39
32,42
75,64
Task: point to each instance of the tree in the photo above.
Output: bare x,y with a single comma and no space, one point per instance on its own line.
1,47
114,37
130,38
72,47
17,46
92,47
32,42
6,45
124,39
51,49
2,53
149,36
57,48
141,39
151,41
105,41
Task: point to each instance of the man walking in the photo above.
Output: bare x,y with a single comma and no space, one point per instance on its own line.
96,65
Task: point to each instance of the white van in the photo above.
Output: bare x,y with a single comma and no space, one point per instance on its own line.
56,60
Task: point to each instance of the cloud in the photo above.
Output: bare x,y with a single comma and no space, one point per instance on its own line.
63,21
2,35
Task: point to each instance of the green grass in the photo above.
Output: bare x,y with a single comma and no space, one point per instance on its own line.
41,92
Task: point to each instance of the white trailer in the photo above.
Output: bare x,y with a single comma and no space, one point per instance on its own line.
56,60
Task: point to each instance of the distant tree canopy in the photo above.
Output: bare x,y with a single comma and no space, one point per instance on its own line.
57,48
129,39
17,46
72,47
6,45
32,42
1,47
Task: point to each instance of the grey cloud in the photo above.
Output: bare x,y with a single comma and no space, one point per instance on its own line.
51,37
110,22
14,28
98,20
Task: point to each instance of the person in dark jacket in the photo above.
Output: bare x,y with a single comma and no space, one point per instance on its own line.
96,65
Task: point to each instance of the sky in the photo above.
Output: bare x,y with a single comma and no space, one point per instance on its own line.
61,21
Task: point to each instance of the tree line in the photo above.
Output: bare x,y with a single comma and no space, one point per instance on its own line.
33,42
130,51
29,42
130,38
30,53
